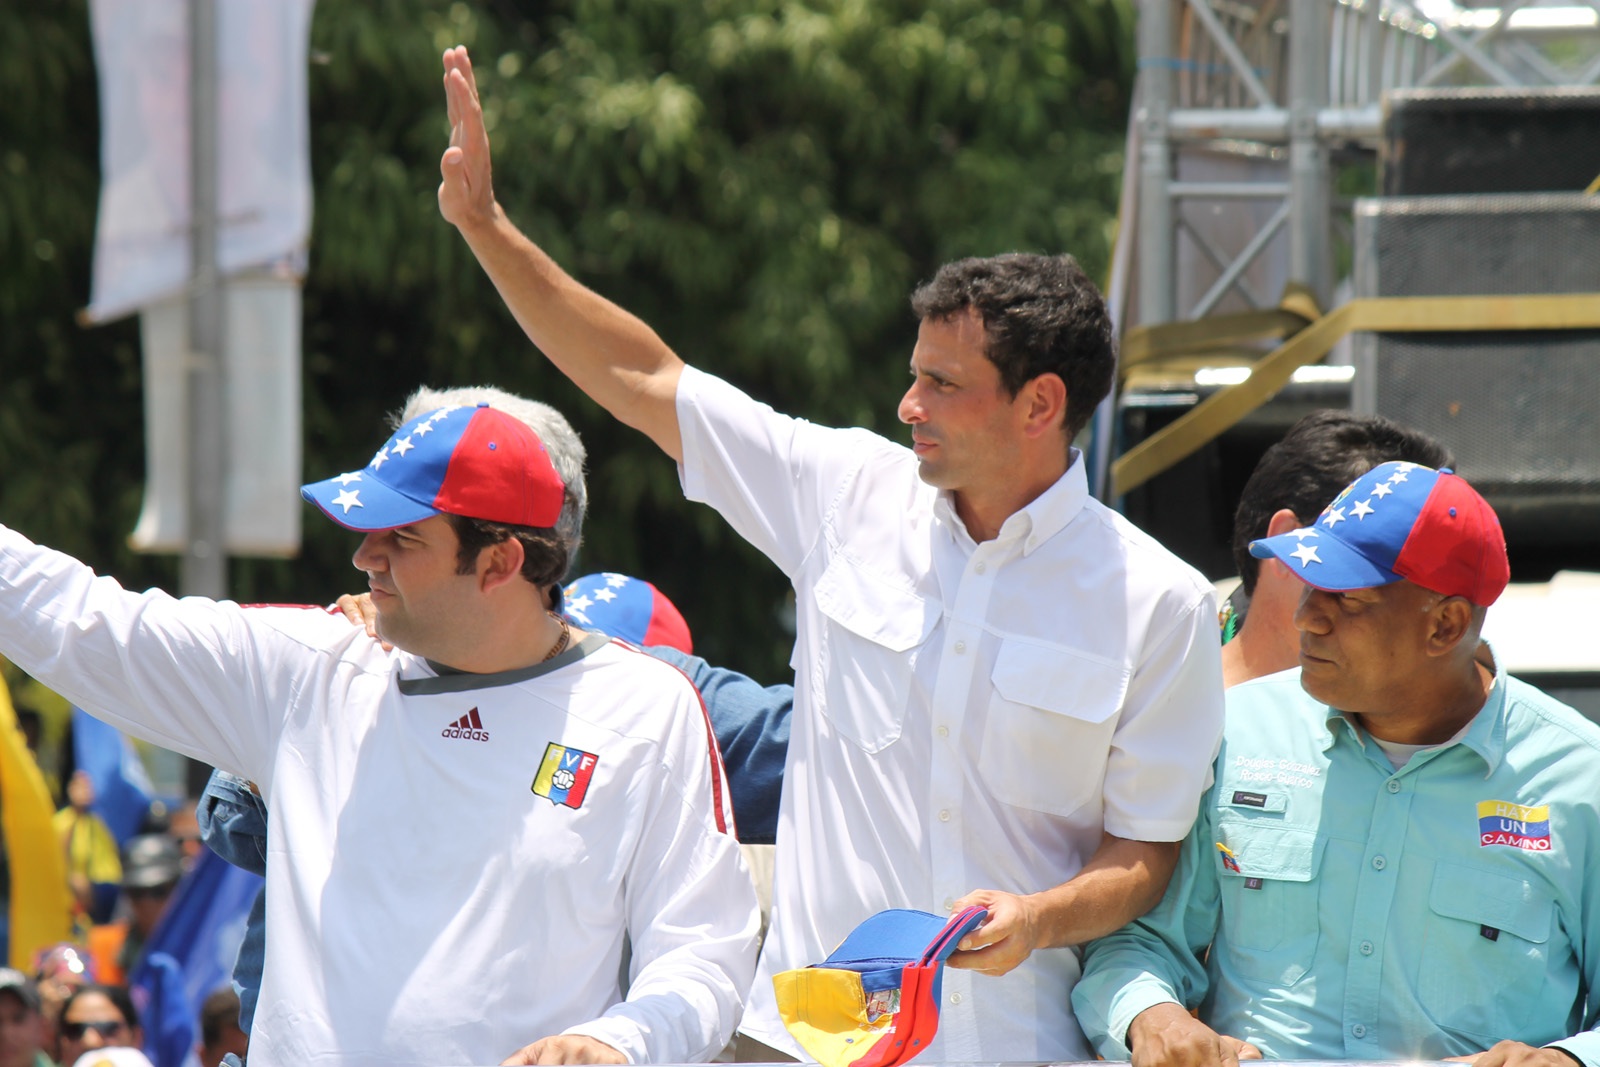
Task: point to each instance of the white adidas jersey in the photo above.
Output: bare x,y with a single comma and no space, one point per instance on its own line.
455,862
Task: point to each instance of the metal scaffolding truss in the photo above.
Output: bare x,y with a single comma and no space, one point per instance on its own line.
1285,81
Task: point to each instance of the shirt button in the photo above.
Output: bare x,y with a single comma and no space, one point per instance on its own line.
980,568
961,646
1394,786
944,731
944,815
949,904
955,998
1358,1030
1379,863
1366,948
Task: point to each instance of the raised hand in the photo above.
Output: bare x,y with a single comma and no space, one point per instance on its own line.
466,193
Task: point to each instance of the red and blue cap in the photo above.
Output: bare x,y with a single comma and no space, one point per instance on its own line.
476,462
1400,522
629,608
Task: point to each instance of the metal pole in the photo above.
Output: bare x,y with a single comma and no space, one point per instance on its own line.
1157,235
1308,156
204,571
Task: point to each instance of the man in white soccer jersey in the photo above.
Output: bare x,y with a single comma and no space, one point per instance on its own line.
467,830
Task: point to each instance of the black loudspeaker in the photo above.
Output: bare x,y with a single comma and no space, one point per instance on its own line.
1439,142
1521,410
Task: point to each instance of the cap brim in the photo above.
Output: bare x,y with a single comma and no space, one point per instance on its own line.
1321,560
358,501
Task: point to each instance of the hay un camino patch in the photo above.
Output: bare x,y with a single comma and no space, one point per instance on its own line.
1501,822
564,775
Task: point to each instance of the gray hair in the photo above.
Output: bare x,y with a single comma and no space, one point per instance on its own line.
560,439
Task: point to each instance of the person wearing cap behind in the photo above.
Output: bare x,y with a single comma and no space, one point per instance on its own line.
751,720
466,830
1400,857
21,1021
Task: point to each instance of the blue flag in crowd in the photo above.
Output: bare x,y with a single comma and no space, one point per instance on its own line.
190,955
122,790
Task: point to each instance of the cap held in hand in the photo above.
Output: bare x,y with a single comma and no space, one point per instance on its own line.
875,1001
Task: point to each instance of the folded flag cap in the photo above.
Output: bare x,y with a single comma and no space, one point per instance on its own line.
874,1002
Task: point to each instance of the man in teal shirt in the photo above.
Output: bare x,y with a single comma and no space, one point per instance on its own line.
1400,856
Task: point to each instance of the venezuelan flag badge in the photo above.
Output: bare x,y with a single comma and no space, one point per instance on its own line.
564,775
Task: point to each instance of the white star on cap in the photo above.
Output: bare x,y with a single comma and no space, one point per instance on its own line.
575,612
348,499
380,458
402,446
1300,533
581,604
607,595
1334,517
423,427
1306,554
1362,509
616,581
1382,489
1398,476
346,479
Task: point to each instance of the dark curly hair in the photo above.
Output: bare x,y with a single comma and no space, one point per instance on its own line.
1041,315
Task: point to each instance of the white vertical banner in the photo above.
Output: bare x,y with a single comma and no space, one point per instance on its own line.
141,49
142,249
261,343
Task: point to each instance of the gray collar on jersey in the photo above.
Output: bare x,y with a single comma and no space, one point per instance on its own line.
450,680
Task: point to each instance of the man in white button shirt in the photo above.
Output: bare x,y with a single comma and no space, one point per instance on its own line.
999,682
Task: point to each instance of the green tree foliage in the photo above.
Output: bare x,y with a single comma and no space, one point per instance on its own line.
763,181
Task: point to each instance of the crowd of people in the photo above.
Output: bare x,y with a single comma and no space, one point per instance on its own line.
1322,823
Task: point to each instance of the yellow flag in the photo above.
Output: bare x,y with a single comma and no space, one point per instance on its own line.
41,906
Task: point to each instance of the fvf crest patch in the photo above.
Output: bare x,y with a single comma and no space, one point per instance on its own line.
564,775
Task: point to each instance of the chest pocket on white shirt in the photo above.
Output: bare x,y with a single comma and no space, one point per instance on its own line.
1514,964
862,673
1049,727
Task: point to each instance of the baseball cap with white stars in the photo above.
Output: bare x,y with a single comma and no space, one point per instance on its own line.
630,608
1400,521
476,462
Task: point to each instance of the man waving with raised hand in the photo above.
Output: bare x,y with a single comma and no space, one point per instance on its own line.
1005,694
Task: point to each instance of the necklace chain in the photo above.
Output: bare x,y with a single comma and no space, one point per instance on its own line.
561,642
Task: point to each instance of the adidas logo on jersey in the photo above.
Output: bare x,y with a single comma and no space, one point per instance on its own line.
469,728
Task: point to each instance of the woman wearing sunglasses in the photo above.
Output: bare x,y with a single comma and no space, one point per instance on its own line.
94,1017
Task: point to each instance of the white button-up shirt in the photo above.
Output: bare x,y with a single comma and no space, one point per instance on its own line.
967,716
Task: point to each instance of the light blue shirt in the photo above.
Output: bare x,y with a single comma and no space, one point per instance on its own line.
1366,913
